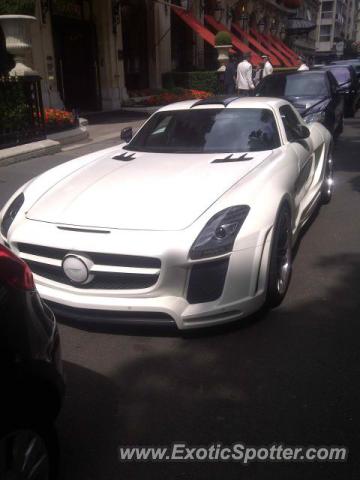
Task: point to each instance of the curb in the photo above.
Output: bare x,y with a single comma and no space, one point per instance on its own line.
27,151
70,136
52,144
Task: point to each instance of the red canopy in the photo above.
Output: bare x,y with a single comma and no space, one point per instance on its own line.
261,38
195,25
273,59
237,43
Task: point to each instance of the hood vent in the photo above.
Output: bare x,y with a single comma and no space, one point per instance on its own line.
230,158
125,157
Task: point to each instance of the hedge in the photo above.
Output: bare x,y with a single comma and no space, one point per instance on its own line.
206,81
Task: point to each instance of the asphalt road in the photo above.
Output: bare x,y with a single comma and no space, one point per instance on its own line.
291,376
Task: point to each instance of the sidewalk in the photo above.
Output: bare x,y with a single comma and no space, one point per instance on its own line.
108,125
100,126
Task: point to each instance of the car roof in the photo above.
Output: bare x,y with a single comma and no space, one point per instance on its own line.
337,65
297,72
349,61
236,102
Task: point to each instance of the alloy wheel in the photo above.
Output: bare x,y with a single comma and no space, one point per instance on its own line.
284,257
24,456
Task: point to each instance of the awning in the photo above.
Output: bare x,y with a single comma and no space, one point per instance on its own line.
237,43
195,25
252,41
285,48
297,26
280,55
294,57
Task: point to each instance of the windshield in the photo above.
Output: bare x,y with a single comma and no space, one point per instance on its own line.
297,85
342,75
218,130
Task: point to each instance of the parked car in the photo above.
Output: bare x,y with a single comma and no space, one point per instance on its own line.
315,94
349,86
191,223
355,62
32,382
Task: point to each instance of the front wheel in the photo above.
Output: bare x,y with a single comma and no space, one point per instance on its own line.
28,453
280,260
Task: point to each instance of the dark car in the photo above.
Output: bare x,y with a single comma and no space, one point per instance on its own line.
32,384
348,85
354,62
315,94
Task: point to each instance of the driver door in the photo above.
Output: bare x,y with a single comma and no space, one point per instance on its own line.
303,150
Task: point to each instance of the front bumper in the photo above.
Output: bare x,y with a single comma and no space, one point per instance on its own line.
168,300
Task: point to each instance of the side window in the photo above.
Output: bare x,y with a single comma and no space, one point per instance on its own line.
290,120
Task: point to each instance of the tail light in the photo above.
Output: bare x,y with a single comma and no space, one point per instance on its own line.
15,272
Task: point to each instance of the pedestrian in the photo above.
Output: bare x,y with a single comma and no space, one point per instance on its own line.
257,74
230,76
244,81
303,66
267,68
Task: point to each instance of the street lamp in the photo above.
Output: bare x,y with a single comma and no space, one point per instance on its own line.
282,32
244,18
273,27
261,25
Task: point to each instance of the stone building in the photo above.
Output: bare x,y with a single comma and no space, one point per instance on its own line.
90,53
336,27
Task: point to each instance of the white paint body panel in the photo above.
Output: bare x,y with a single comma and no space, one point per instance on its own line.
156,207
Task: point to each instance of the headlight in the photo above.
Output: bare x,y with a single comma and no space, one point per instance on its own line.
315,117
218,235
11,213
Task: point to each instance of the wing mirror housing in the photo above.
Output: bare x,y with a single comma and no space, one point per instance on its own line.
301,132
126,134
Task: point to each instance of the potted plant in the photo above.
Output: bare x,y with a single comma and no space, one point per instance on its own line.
15,19
223,44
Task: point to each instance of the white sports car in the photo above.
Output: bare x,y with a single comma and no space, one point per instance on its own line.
191,222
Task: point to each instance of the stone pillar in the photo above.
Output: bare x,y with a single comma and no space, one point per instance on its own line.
43,58
159,42
111,66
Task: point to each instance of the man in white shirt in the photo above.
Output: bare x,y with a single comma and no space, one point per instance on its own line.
268,68
244,81
303,67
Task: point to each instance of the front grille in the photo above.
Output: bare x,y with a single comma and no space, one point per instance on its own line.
207,281
98,258
104,280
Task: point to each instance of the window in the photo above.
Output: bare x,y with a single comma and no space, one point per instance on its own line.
210,130
290,120
302,84
342,75
325,33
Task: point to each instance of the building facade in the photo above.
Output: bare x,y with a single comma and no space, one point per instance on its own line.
91,53
337,26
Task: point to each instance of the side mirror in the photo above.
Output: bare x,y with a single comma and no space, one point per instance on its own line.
126,134
301,132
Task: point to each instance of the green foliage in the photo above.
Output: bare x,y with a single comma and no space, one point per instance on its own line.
205,81
17,7
223,38
14,110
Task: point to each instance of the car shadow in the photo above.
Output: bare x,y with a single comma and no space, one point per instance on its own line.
291,380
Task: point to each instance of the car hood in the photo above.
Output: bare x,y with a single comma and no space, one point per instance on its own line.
304,104
147,191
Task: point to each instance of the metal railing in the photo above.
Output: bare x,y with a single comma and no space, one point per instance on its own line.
21,111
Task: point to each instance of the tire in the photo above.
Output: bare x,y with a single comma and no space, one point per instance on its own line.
339,130
28,452
280,260
350,111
